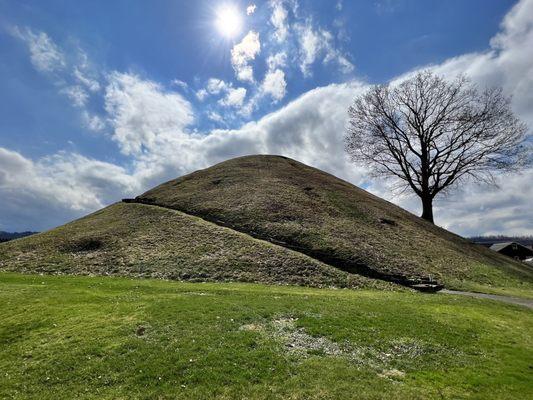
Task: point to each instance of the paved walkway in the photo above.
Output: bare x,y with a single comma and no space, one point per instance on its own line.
506,299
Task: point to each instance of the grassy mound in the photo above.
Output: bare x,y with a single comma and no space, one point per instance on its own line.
113,338
286,202
146,241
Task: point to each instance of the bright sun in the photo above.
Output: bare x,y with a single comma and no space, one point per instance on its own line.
229,21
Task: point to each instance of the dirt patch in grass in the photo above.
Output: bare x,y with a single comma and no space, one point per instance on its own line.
83,244
297,341
297,344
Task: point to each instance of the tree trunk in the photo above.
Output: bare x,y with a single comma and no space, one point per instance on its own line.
427,208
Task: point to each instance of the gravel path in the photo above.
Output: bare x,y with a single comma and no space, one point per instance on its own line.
506,299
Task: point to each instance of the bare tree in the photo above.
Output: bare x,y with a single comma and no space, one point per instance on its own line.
431,133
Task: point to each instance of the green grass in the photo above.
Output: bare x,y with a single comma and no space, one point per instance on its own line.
117,338
514,289
276,198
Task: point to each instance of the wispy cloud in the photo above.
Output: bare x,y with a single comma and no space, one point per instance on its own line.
70,71
243,53
318,43
180,84
275,85
45,55
143,114
234,97
250,9
279,20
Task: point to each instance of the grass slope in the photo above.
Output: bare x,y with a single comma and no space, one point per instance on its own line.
115,338
282,200
146,241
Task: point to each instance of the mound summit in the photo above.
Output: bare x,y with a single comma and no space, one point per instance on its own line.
266,219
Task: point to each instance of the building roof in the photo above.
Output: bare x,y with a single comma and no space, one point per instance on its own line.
501,246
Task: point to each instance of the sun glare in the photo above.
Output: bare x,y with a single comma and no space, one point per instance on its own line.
229,21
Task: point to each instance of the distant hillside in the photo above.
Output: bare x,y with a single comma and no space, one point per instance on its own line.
525,240
264,219
6,236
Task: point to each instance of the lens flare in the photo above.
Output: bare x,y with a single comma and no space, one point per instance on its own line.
228,21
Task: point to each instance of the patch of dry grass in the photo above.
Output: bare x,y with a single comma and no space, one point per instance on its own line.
297,344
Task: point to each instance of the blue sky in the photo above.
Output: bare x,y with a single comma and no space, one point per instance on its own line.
108,98
168,40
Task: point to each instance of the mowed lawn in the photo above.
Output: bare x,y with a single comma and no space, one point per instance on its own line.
116,338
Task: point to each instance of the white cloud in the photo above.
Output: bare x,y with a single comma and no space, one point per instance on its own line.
243,53
45,55
214,116
250,9
490,210
56,189
278,19
275,85
179,83
315,43
305,129
310,45
278,60
215,86
234,97
70,71
507,63
202,94
344,64
144,115
245,73
76,93
248,107
93,122
231,97
83,71
91,84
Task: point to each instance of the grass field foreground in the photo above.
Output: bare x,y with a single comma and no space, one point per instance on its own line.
112,338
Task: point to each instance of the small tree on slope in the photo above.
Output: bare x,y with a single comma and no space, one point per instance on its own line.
431,133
